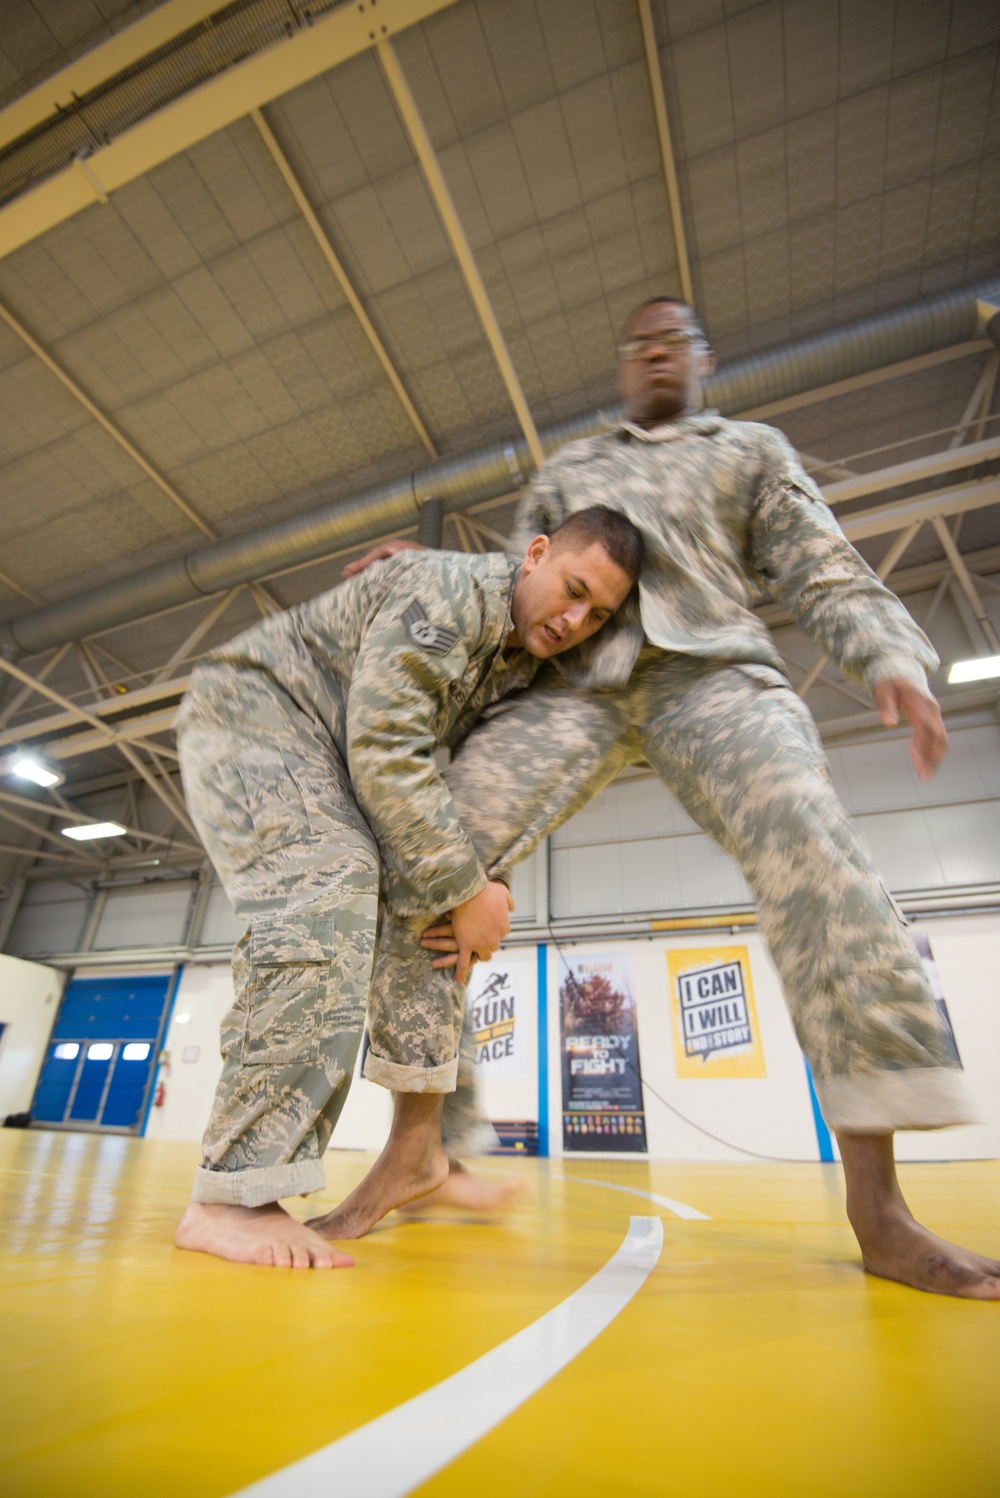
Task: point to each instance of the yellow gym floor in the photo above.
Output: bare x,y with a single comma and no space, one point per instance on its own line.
754,1357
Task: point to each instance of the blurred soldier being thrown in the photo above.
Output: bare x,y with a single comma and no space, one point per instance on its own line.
692,684
307,755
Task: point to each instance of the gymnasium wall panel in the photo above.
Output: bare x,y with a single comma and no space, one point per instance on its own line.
29,1002
50,918
144,916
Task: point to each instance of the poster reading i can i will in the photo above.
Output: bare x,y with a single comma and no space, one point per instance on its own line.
716,1033
602,1084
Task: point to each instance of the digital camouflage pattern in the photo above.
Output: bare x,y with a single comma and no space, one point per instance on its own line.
725,509
740,752
307,754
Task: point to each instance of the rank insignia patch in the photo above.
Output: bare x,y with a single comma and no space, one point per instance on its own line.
429,636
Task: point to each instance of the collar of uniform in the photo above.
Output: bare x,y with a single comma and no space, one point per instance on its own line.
514,564
703,424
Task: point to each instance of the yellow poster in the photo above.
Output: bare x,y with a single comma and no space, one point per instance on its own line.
716,1032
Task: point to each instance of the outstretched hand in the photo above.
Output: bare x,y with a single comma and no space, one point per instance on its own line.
378,554
898,698
472,930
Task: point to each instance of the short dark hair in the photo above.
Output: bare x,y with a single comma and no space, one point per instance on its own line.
608,528
651,301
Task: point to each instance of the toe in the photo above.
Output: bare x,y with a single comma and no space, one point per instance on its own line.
300,1257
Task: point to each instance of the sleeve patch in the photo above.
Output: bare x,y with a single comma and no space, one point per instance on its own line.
428,636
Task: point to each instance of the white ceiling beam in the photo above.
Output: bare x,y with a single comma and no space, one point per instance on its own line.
136,731
99,416
913,471
950,702
19,698
871,377
70,813
122,702
966,584
343,280
666,148
444,203
50,837
115,737
345,32
186,646
886,519
978,406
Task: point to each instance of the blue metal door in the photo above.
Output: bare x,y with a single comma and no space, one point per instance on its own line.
102,1054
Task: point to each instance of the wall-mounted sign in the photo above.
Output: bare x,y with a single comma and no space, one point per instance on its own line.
501,1007
602,1083
716,1032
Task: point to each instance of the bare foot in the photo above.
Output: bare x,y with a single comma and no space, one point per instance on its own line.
389,1184
471,1192
893,1245
255,1235
903,1250
411,1164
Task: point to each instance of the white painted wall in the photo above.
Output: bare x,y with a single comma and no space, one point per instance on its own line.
772,1117
29,1002
966,950
633,849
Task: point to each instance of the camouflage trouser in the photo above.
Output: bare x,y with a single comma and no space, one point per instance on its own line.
740,752
274,806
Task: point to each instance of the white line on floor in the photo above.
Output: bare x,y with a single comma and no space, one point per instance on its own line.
394,1453
679,1209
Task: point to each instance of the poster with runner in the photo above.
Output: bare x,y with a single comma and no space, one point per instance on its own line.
500,1002
716,1031
602,1083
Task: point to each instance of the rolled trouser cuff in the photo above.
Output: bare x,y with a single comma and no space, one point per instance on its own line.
255,1188
879,1102
399,1078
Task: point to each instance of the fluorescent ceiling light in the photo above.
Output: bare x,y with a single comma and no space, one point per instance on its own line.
30,768
93,829
980,669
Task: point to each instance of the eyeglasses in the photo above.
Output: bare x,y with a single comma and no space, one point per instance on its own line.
673,340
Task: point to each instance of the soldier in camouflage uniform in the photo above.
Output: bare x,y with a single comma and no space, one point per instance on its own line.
307,754
691,683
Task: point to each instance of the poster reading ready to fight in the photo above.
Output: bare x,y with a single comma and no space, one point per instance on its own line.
602,1085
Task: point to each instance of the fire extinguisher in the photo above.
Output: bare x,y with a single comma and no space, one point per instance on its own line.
160,1090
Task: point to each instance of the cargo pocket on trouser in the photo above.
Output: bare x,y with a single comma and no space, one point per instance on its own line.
307,974
289,981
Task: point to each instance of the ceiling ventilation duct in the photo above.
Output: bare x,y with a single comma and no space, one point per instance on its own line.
905,332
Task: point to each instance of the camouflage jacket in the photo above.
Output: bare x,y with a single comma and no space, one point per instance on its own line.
726,512
390,664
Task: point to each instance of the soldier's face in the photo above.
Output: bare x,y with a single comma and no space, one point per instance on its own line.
662,362
564,595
